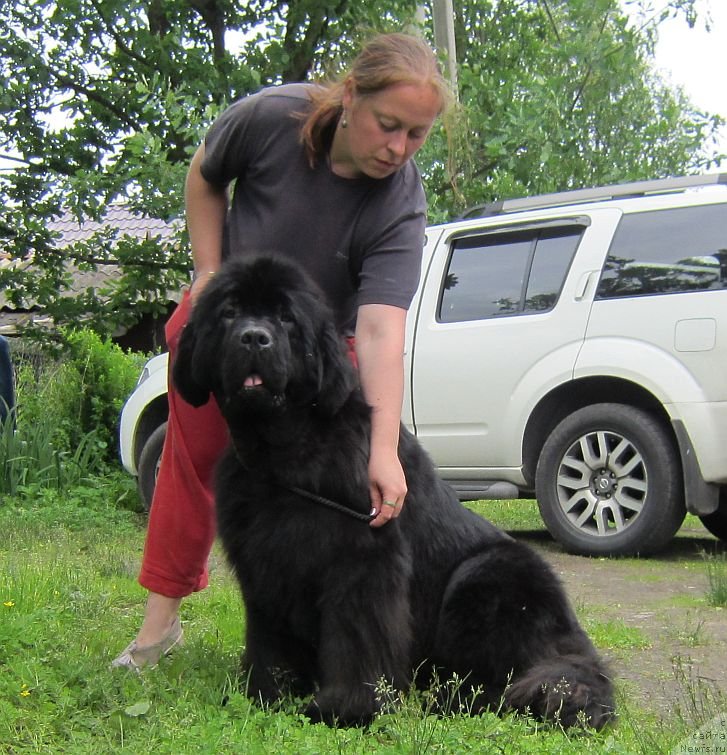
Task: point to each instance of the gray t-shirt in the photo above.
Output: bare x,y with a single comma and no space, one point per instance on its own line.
360,239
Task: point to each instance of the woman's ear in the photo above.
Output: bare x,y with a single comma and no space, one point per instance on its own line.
349,92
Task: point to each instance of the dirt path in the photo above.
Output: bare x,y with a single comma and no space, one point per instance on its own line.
664,598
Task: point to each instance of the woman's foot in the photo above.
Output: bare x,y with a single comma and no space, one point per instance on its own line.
159,634
136,656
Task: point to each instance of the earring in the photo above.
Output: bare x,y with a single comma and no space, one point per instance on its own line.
344,120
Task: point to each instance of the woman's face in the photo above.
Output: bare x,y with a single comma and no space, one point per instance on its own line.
384,129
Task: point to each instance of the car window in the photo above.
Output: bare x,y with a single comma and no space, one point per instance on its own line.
667,251
507,273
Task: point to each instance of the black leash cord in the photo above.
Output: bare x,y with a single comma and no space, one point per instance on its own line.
329,503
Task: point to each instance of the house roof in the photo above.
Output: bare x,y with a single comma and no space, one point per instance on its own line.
118,216
70,230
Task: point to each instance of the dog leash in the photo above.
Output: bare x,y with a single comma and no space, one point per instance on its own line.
316,498
329,503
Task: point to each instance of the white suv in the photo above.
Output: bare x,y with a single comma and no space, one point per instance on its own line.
570,346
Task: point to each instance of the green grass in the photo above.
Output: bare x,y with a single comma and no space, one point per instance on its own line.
69,601
613,634
717,576
513,516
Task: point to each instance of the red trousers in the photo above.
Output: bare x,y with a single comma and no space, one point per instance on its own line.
182,519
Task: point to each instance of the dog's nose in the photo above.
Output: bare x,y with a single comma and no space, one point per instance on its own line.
256,337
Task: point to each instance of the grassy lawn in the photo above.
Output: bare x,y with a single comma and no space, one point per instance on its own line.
69,601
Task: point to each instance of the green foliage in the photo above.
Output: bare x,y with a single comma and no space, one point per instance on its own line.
31,460
716,566
613,634
96,502
555,96
68,403
106,102
519,515
106,376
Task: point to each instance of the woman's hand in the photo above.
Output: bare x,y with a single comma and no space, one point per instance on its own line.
387,486
199,283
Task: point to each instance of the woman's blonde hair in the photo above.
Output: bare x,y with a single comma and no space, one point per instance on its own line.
386,60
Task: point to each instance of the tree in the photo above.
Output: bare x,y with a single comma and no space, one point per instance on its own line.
104,100
558,95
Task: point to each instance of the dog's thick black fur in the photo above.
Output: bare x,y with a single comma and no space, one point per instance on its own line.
333,605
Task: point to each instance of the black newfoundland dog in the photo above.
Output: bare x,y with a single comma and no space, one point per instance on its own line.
333,605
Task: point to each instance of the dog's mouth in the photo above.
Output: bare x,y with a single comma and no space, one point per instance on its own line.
253,381
258,389
251,386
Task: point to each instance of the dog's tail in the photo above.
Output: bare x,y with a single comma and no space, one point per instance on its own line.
571,690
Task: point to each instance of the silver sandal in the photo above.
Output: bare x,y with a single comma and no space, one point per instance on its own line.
137,657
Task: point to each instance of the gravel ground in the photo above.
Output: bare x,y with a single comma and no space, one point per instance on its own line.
665,598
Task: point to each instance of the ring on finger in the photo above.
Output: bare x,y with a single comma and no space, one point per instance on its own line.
390,503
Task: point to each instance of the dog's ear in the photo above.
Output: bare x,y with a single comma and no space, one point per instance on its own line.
337,375
188,375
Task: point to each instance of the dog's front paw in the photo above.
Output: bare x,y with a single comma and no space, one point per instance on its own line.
337,713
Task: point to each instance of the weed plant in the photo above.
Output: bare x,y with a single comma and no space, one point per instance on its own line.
29,458
716,565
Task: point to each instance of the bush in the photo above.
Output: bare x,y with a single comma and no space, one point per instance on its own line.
64,426
77,390
106,377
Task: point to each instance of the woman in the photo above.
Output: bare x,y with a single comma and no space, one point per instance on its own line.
325,175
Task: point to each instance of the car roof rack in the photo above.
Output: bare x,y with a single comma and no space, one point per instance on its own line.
596,194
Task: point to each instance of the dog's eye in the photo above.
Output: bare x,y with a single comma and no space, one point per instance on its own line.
228,312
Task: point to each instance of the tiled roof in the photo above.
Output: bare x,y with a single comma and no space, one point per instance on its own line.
117,216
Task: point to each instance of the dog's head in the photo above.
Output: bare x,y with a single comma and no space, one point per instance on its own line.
261,339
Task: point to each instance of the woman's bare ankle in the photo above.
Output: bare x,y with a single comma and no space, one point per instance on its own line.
159,617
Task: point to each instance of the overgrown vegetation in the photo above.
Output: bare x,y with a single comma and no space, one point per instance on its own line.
63,428
31,458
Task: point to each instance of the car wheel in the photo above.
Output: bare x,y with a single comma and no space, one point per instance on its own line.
609,482
151,456
716,522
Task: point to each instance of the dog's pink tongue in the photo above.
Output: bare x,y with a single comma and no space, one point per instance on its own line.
253,380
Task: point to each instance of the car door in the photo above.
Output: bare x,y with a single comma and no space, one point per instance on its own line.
502,316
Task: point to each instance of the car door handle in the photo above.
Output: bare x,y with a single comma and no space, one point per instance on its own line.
582,286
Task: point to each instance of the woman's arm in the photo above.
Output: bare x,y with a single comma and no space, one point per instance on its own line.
206,209
380,330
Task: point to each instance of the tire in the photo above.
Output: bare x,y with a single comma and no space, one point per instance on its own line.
716,522
609,482
149,460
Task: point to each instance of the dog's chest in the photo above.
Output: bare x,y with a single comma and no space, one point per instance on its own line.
279,533
293,558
